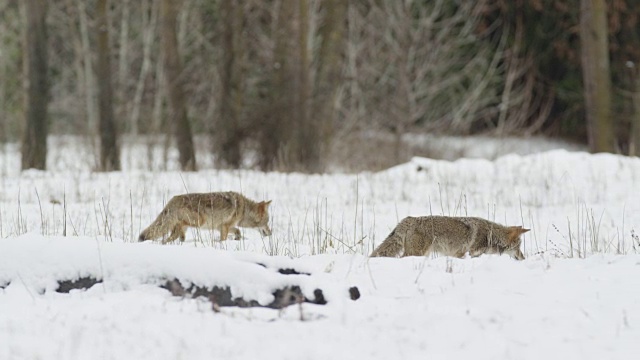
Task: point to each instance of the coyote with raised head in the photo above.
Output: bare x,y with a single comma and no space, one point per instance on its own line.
223,211
451,236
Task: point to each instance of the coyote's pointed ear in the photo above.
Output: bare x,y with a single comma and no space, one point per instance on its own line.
262,207
514,232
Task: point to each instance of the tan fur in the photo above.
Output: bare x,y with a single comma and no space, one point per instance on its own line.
451,236
223,211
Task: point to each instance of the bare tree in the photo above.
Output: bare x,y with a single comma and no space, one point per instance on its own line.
289,138
306,139
634,141
4,127
83,51
36,85
228,133
328,77
123,41
280,112
109,151
421,66
149,19
596,74
173,73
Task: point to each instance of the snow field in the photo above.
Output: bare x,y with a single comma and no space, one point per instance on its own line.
576,296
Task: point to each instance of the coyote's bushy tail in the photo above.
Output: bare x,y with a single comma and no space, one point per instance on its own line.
390,247
158,228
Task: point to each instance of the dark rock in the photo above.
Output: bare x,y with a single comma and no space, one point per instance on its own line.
289,271
218,295
286,271
64,286
320,300
354,293
287,296
221,296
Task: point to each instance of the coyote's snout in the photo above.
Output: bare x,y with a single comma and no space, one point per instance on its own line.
224,211
451,236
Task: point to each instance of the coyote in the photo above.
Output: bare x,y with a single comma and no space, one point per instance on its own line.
451,236
218,210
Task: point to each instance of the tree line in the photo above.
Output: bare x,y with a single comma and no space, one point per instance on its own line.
285,81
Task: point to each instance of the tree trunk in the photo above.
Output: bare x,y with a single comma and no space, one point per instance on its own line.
87,67
109,152
634,141
36,85
332,33
228,134
308,131
124,46
149,20
596,74
289,140
173,71
4,125
276,128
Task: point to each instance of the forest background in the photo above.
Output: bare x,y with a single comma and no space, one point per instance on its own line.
295,85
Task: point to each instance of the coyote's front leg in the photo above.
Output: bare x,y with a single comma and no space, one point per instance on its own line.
176,232
224,232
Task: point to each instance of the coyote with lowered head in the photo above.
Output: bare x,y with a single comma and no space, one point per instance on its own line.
451,236
223,211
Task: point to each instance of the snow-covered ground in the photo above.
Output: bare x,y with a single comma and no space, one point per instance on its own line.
577,295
